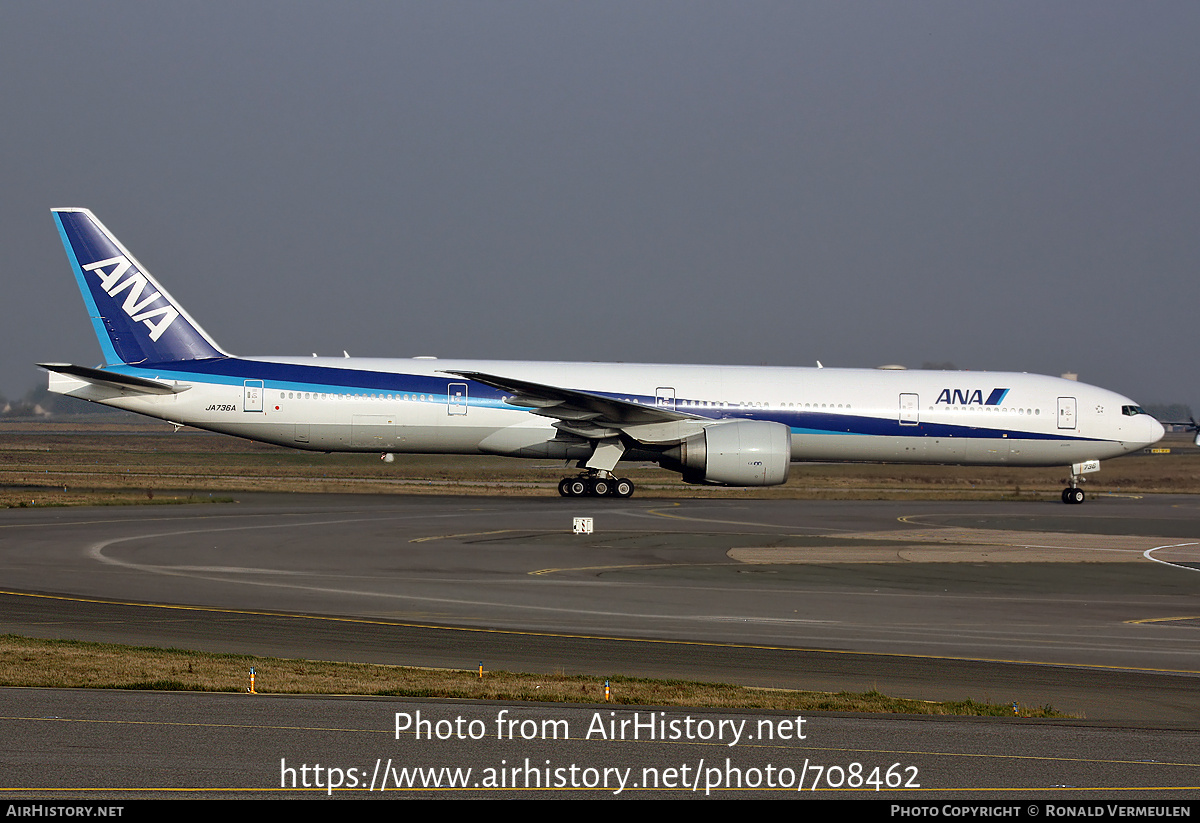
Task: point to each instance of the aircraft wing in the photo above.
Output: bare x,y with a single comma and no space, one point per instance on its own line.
590,415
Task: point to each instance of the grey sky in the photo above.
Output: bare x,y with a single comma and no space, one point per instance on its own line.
1002,185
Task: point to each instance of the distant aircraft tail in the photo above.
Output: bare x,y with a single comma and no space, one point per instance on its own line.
135,319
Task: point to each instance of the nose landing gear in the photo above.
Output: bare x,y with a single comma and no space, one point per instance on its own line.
1072,494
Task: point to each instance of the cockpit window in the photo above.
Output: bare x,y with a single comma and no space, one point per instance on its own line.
1130,411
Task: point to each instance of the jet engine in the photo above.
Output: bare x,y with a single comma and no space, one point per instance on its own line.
734,453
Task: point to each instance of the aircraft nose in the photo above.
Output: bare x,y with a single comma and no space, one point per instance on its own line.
1154,430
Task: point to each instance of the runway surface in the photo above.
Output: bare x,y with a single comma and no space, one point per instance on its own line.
1093,609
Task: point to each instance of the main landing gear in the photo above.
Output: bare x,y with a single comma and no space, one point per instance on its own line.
598,480
595,485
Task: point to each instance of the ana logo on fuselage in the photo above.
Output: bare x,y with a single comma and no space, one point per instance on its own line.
968,397
158,319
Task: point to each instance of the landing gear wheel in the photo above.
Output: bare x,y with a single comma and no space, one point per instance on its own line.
590,486
1072,495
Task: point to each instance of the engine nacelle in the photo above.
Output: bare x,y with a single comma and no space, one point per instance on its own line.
734,453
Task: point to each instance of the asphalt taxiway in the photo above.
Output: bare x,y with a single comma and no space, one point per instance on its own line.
1093,609
108,746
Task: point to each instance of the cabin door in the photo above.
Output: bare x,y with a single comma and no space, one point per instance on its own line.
1066,412
252,399
456,398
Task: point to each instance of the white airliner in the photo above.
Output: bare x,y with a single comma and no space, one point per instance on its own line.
724,425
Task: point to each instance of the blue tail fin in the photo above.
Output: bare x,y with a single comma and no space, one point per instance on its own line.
134,318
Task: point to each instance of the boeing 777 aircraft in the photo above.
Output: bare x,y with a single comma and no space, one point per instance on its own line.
723,425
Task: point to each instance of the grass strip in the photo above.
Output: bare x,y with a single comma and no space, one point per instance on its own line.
35,663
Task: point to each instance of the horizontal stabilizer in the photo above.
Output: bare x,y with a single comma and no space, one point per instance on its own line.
113,380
